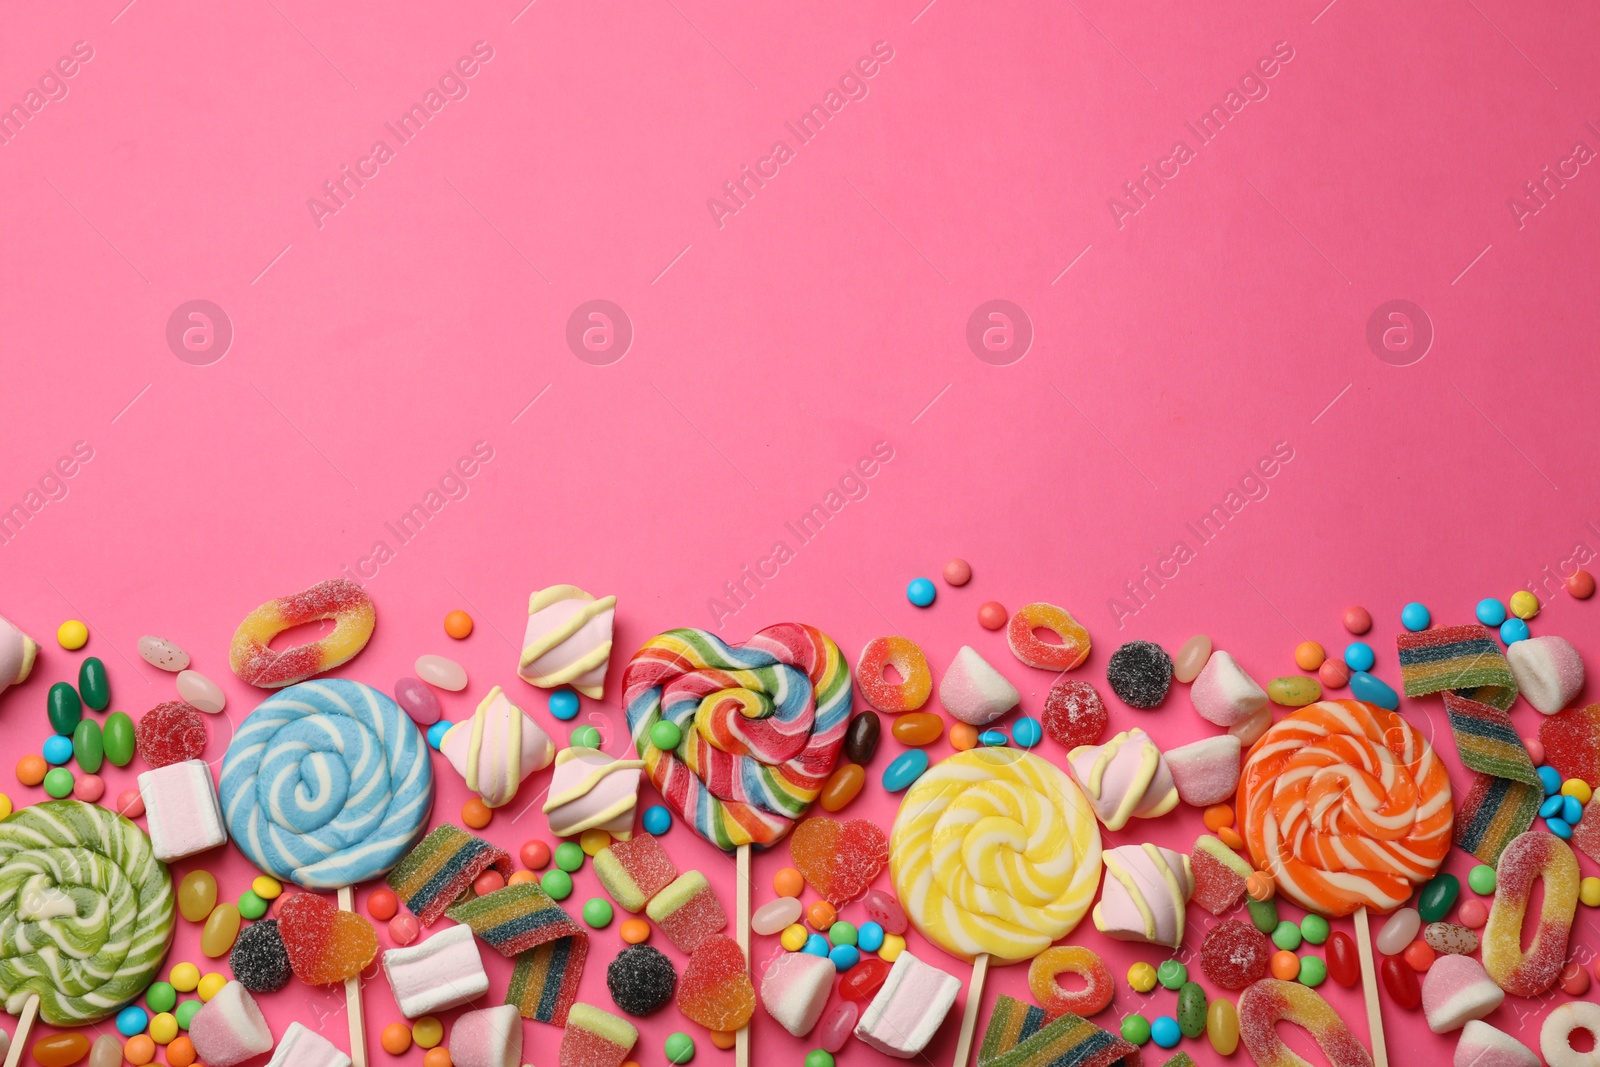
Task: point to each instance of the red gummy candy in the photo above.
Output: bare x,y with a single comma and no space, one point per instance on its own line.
715,989
1219,875
170,733
1586,835
1401,983
1074,714
325,945
839,860
1234,954
1344,962
863,980
1571,741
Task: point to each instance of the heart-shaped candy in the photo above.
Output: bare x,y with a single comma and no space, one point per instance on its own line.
838,860
325,945
715,989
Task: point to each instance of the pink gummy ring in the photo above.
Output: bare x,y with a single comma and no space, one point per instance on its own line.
1044,979
1074,646
255,661
901,653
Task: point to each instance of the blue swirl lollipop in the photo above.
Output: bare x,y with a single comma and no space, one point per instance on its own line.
326,784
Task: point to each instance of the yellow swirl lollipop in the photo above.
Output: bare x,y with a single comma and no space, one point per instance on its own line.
995,853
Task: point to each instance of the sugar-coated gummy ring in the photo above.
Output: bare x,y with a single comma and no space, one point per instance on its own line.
1270,1001
1555,1035
1074,646
346,603
1531,856
907,659
1044,980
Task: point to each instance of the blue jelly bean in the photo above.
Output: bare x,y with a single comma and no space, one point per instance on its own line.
1571,810
1358,656
1513,630
869,937
1551,779
57,749
1164,1031
1552,806
905,769
436,733
817,945
1491,612
1373,690
132,1021
657,820
991,738
564,704
1027,732
1415,617
1560,827
921,592
844,957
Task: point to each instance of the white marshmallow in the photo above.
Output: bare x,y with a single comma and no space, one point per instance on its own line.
909,1009
974,692
301,1047
1224,693
1205,772
795,989
1548,670
441,972
181,810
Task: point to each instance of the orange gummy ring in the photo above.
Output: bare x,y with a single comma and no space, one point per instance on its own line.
1074,646
905,657
1043,979
255,661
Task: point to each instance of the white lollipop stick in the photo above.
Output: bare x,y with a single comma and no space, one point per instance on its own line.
352,997
969,1015
19,1040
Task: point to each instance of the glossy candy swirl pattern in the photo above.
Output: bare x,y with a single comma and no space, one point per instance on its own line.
86,912
326,784
1346,805
761,725
995,852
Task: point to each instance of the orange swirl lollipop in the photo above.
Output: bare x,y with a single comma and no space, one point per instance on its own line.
1347,806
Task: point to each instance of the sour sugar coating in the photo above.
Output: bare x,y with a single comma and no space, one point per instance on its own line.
715,989
1206,772
1548,670
301,1047
595,1038
1074,714
259,960
326,784
973,691
795,988
489,1037
635,870
1271,1001
1455,990
1555,1035
1140,672
86,908
325,945
1530,856
1072,650
997,852
1045,981
1235,954
904,655
839,860
642,979
230,1028
444,971
441,868
1225,694
1219,875
170,733
1482,1045
255,661
1021,1036
761,726
568,640
1346,805
908,1008
688,911
1125,778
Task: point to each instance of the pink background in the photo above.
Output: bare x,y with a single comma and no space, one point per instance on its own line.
1170,351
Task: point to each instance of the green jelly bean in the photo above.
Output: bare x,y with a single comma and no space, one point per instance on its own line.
1314,928
1191,1009
58,782
251,906
1264,914
1482,879
93,684
1286,935
88,747
1312,971
1438,897
64,708
118,739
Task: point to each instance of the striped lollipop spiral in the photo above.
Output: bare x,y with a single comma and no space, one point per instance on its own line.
995,852
1346,805
326,784
761,725
86,912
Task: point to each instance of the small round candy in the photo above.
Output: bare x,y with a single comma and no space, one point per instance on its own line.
634,931
1574,979
1571,810
788,883
597,913
535,854
1285,965
1136,1029
893,945
1473,914
921,592
132,1020
869,935
1217,816
180,1053
1577,789
1513,630
436,733
963,736
521,878
564,704
1415,617
139,1050
1313,971
844,957
1490,611
1172,974
1524,605
1419,955
821,915
1560,827
5,805
266,887
458,624
163,1028
793,937
957,572
427,1032
992,615
210,985
821,1057
382,904
1481,879
569,856
1027,732
251,906
186,1012
1314,928
1260,885
1308,655
488,882
89,788
723,1039
816,945
1357,620
1580,583
1589,892
589,737
396,1039
1164,1031
72,635
557,884
1286,935
993,738
1142,977
57,750
842,933
679,1047
1551,778
183,978
1333,674
593,841
58,782
666,735
476,814
657,820
1358,656
437,1057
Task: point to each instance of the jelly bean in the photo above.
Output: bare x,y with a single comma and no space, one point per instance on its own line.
992,738
201,693
396,1039
1172,974
442,672
64,708
834,1031
1550,778
794,938
1574,979
1142,977
1373,690
1314,928
842,786
1535,749
1333,674
774,915
863,980
1524,605
1473,914
1490,611
427,1032
1398,932
1294,691
60,1050
1580,583
197,895
1217,816
1358,656
1222,1026
1191,1009
1286,935
886,911
1419,956
1438,896
1514,630
657,820
88,746
921,592
1401,983
1344,965
917,728
861,737
1027,732
957,572
788,883
1357,620
1263,914
106,1052
251,906
58,783
132,1020
1589,892
1415,617
1191,658
905,769
163,996
72,635
869,937
992,615
93,684
58,750
1313,972
117,739
1308,655
634,931
1560,827
222,927
1450,939
417,700
1285,965
1164,1031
